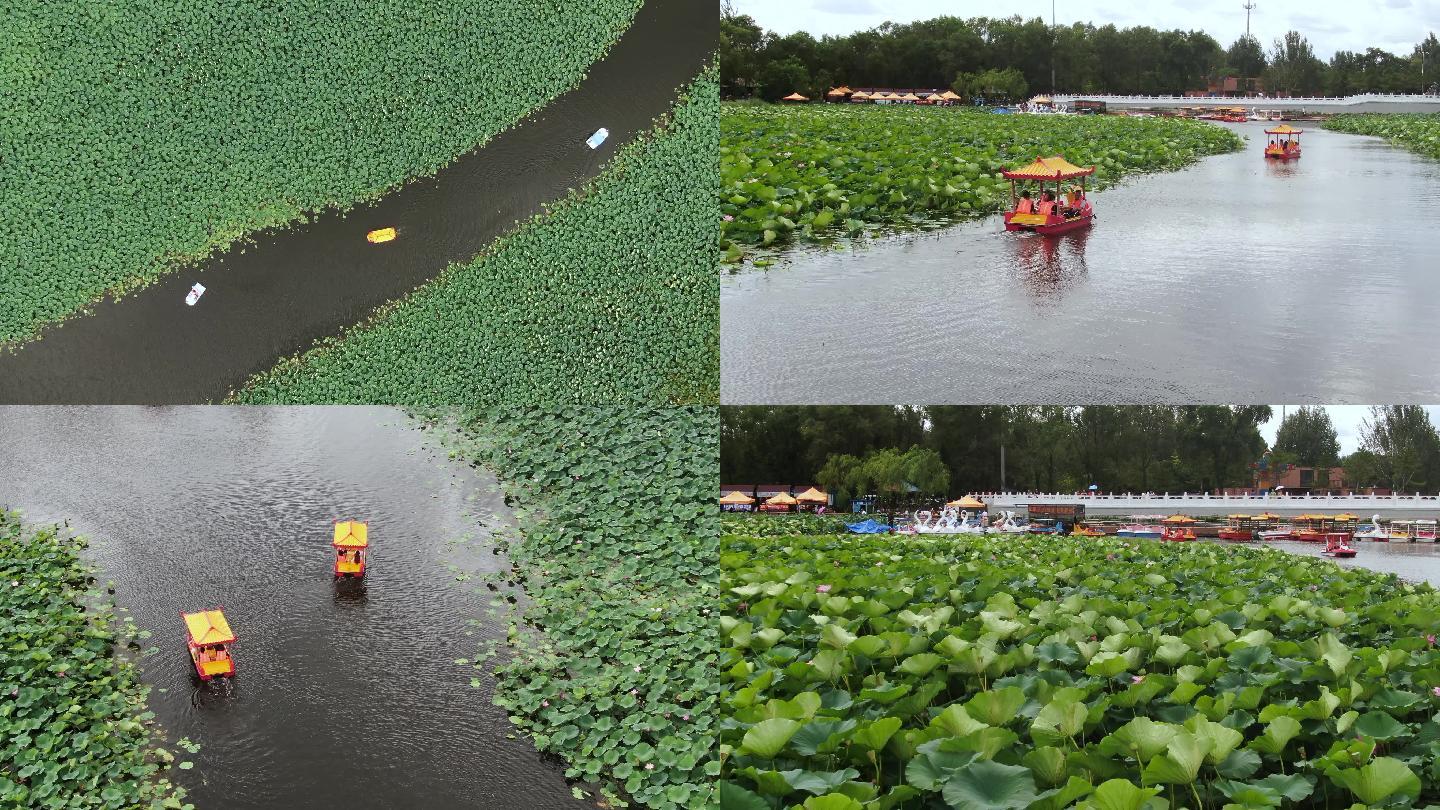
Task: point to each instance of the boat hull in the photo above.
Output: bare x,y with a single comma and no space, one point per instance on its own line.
1236,535
1051,226
1295,155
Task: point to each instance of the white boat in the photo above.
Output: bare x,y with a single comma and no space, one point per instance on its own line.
1424,531
597,138
1376,532
1277,533
194,294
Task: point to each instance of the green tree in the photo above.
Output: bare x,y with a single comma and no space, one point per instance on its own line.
1307,437
924,469
1293,67
740,38
1404,443
1246,58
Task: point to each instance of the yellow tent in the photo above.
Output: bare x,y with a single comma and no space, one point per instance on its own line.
208,627
1284,129
967,502
351,534
813,495
859,94
949,95
910,97
795,97
1050,168
839,91
737,498
783,499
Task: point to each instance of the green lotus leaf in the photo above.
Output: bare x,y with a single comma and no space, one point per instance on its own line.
768,737
1383,778
989,785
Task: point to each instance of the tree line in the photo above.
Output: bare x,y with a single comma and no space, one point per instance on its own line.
1008,58
953,450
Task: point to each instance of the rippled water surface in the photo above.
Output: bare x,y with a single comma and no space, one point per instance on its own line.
1417,562
345,696
1235,280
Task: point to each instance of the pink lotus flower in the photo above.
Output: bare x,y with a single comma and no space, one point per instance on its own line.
1431,638
685,717
728,218
637,667
1435,691
545,704
1137,679
649,766
822,588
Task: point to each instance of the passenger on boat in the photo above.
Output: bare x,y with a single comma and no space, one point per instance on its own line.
1075,202
1047,204
1026,205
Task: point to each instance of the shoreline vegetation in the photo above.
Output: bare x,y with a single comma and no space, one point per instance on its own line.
611,664
74,729
616,268
279,116
1041,672
806,174
1417,132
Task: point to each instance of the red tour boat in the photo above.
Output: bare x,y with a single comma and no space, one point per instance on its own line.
1337,544
1069,212
1286,146
1177,529
352,543
1239,528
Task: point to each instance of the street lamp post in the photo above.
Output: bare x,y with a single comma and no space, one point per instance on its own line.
1054,35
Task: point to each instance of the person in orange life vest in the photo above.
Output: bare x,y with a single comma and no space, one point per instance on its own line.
1026,205
1047,203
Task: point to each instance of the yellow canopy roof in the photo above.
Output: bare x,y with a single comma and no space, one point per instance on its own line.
351,534
967,502
1051,168
814,495
910,97
949,95
860,94
782,498
838,91
1040,100
1267,516
1178,519
795,97
1284,129
1238,517
1346,516
208,627
736,497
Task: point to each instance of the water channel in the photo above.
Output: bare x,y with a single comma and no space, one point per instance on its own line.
345,696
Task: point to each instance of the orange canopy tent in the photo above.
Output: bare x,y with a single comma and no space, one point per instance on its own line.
1051,168
812,495
1177,519
737,499
782,499
839,91
909,97
794,97
860,94
967,502
949,95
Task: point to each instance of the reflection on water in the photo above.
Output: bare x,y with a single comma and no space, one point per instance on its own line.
347,694
1236,280
1048,266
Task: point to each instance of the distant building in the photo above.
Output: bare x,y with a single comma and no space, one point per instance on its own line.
1296,480
1230,87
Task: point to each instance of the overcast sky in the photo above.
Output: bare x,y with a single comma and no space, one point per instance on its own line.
1330,25
1347,419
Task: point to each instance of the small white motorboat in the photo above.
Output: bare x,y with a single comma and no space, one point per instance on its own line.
195,293
597,138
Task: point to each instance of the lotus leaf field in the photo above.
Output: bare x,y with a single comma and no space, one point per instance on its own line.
759,524
609,296
617,553
73,723
136,136
1416,132
797,174
1032,672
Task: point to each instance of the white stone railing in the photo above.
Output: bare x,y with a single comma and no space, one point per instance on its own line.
1200,500
1267,102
